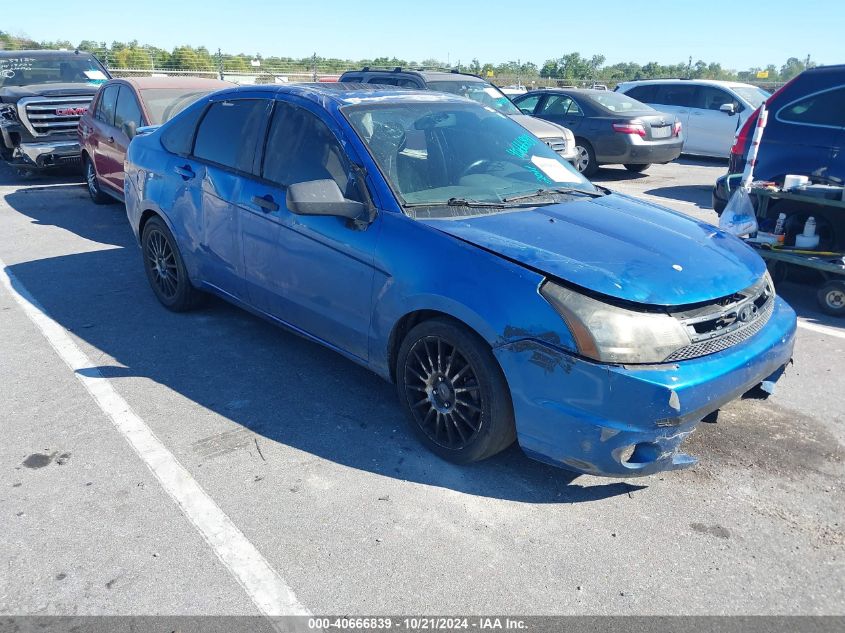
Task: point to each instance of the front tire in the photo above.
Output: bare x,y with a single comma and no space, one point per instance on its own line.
93,184
165,268
454,392
585,161
637,168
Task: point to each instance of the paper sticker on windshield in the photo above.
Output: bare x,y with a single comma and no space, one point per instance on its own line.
554,169
95,75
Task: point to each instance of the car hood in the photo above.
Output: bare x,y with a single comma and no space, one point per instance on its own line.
13,93
619,247
542,129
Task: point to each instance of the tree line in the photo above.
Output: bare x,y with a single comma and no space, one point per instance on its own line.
569,67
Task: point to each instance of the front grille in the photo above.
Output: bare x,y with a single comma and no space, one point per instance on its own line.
722,325
557,144
50,115
724,342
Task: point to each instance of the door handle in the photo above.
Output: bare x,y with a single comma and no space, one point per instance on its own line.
266,203
110,139
185,171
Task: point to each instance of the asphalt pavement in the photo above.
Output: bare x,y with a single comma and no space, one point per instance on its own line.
309,459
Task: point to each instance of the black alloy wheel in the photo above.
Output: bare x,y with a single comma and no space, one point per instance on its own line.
454,392
165,269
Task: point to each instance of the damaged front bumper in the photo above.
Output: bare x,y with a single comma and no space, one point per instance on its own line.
628,421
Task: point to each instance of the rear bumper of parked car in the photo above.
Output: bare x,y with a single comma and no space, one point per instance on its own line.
585,416
635,151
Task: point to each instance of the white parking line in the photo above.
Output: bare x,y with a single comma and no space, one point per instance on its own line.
261,582
822,329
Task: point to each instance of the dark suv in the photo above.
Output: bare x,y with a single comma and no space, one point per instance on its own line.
804,135
559,138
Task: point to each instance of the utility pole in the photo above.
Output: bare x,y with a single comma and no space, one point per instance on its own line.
220,64
314,68
689,67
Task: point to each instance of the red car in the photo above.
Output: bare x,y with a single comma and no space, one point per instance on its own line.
118,109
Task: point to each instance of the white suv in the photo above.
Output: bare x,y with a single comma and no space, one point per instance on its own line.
711,111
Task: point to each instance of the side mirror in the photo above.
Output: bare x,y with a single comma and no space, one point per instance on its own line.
129,128
526,111
728,108
321,197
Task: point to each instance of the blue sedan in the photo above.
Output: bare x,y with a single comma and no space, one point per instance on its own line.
439,244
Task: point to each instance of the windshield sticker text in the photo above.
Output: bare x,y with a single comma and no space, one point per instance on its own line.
520,145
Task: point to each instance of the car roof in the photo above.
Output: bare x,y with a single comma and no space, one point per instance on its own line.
428,75
347,93
146,83
694,82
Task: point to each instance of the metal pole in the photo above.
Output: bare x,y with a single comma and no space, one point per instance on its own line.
314,68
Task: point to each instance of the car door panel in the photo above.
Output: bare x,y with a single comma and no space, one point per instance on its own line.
711,129
312,272
102,148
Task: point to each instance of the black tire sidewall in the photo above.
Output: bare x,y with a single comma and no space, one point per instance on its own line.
497,419
97,195
637,169
184,298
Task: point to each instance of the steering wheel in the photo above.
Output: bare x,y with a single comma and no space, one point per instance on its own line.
474,165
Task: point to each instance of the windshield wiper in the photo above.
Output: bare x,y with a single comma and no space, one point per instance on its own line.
539,193
469,202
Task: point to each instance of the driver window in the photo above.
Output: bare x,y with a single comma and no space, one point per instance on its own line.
528,104
300,147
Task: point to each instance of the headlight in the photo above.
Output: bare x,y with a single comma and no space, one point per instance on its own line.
612,334
7,113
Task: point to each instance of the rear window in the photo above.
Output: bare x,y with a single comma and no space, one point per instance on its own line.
617,102
826,109
229,131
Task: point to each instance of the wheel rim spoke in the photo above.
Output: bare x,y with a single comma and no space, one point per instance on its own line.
443,393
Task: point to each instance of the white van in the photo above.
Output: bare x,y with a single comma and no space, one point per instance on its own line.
711,111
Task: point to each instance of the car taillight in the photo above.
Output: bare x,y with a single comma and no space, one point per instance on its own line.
676,128
747,129
629,128
741,142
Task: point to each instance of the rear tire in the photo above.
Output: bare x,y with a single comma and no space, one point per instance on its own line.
98,196
637,168
585,162
165,268
831,297
454,392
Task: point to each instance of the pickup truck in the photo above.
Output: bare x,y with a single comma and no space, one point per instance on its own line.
43,93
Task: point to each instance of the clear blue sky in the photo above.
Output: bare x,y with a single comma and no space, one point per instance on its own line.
664,31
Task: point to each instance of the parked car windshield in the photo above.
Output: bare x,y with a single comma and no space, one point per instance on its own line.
618,102
753,95
459,154
165,103
21,70
480,91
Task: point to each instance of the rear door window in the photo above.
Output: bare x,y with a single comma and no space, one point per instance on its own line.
106,104
682,96
824,109
229,132
127,108
557,105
